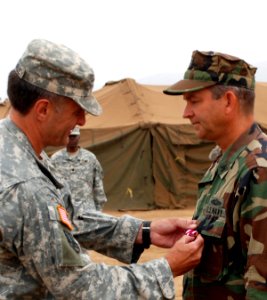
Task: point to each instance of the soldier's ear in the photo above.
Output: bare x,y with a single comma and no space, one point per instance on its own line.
42,109
231,101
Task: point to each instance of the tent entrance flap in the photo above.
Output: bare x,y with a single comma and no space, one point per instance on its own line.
127,165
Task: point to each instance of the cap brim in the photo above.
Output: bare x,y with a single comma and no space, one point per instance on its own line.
187,85
89,104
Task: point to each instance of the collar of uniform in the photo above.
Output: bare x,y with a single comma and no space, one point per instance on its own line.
22,139
231,154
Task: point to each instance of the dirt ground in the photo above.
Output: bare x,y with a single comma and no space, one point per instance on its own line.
153,252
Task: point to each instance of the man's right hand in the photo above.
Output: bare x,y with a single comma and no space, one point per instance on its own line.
185,254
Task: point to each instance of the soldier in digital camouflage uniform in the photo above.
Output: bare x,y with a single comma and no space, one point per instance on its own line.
41,257
232,200
83,173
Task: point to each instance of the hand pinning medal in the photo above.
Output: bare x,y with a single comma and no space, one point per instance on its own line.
191,232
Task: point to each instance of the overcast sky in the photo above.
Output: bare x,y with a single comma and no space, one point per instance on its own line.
150,41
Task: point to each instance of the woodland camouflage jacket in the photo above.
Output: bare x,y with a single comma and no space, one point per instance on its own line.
232,215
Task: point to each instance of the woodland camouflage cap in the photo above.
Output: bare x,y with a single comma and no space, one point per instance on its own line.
59,70
211,68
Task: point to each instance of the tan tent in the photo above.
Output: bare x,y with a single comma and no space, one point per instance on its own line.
4,109
261,104
150,155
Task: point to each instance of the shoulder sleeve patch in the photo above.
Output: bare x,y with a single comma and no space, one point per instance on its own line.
63,215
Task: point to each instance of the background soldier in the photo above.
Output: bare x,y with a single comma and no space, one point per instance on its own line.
83,173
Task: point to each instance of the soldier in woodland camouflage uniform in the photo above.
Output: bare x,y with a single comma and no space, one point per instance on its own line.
40,255
232,202
83,173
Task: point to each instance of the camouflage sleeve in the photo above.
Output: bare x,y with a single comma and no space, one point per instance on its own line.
98,187
253,222
109,235
52,258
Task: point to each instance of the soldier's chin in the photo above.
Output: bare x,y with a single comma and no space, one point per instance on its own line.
198,130
196,126
201,135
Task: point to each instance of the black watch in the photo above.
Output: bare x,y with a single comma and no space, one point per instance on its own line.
146,234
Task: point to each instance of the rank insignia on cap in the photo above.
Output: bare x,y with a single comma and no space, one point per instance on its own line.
64,216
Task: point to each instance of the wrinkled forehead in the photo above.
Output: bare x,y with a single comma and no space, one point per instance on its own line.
196,94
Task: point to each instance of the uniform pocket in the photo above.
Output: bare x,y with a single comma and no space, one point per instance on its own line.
214,258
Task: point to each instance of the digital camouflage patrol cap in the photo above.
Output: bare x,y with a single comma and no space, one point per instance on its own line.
210,68
59,70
